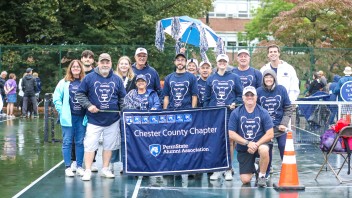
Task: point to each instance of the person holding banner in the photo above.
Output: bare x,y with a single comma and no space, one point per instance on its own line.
343,80
250,126
275,100
223,88
72,116
101,93
180,87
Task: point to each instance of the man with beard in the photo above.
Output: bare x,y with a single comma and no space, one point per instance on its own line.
180,87
102,93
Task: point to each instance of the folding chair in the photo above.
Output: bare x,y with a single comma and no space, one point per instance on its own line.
345,132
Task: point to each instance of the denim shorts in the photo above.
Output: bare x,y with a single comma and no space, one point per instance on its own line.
11,98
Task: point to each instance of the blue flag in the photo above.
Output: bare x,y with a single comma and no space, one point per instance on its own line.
175,142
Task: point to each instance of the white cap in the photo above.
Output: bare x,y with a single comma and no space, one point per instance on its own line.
222,57
249,89
243,51
192,60
203,62
141,50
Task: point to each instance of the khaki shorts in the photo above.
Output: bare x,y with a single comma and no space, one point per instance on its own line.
111,137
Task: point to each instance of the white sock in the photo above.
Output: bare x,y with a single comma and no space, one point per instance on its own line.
261,175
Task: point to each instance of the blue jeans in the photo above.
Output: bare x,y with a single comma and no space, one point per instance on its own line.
76,132
281,142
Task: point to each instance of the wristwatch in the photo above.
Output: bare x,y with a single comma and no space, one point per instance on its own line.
247,142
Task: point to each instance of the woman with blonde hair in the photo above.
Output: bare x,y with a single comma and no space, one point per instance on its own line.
125,72
72,116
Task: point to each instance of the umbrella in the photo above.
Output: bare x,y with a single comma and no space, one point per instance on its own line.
187,30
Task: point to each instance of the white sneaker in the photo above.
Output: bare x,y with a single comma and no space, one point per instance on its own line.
105,172
74,166
215,176
228,175
94,167
68,172
80,171
87,175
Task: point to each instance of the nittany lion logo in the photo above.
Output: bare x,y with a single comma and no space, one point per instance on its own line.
271,104
179,90
155,149
250,127
246,80
76,105
222,90
104,91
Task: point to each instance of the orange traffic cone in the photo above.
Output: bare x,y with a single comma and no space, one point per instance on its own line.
289,173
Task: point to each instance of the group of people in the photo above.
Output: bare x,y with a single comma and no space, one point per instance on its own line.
29,89
89,101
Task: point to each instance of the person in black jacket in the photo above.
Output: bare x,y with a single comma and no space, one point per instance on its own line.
29,87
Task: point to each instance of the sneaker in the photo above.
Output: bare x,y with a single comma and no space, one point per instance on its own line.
111,167
262,182
215,176
36,116
228,175
105,172
80,171
87,175
94,167
74,166
23,116
13,116
68,172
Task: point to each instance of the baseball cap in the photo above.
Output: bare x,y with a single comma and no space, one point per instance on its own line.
141,50
141,76
180,54
222,57
249,89
192,60
204,62
242,51
104,56
28,70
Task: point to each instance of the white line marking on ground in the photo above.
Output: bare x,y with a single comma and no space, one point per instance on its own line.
308,131
138,186
37,180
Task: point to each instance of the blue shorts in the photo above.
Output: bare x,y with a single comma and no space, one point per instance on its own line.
11,98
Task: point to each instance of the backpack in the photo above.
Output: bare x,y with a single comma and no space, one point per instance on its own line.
327,139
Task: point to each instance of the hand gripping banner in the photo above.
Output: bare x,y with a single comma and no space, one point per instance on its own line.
175,142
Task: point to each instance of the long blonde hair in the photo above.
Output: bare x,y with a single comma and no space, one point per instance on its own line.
130,73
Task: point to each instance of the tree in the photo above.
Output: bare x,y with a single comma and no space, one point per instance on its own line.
258,27
315,23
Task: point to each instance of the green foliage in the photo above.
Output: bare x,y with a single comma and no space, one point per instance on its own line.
258,27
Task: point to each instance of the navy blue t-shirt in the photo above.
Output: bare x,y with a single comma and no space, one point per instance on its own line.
250,126
153,80
104,93
76,108
250,77
274,102
223,90
201,91
180,88
273,68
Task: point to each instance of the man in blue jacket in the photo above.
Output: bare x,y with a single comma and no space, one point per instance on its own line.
101,93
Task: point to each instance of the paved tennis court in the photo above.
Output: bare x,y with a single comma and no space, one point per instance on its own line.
31,168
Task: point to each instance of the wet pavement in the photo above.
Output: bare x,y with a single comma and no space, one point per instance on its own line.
25,158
